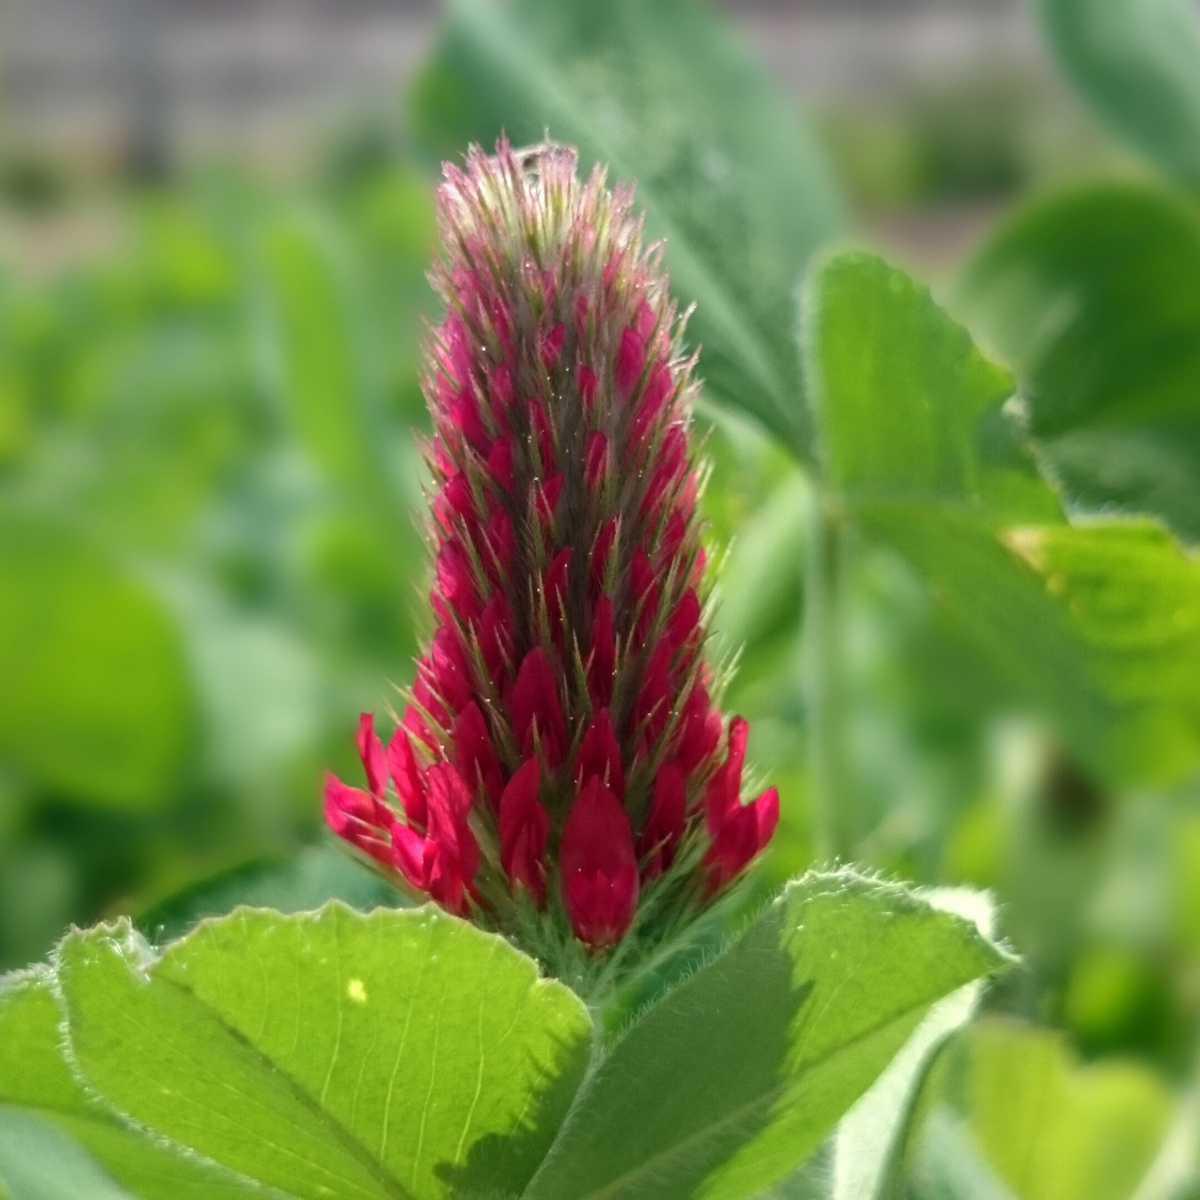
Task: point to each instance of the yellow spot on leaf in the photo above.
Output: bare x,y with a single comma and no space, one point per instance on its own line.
357,991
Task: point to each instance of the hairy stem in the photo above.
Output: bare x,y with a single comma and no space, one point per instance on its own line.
834,823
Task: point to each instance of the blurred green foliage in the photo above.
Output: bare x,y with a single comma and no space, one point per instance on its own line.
210,506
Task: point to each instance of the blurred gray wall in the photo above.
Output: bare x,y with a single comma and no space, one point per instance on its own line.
187,77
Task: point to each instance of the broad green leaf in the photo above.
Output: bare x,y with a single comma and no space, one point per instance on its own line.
918,452
1092,296
1055,1130
400,1054
873,1138
97,702
908,412
736,1076
665,97
1138,62
60,1134
1134,601
303,882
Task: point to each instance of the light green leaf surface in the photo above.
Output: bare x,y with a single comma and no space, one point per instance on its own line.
400,1054
1092,296
1055,1130
73,621
736,1076
59,1134
873,1138
919,454
1138,62
909,413
666,97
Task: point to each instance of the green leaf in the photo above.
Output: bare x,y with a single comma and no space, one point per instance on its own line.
38,1162
873,1138
736,1076
1055,1130
1138,62
947,1164
665,97
318,345
1092,296
303,882
400,1054
65,1133
908,411
97,702
919,453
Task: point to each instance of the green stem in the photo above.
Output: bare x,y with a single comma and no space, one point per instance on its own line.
835,826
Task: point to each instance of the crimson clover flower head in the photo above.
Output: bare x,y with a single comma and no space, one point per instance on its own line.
561,769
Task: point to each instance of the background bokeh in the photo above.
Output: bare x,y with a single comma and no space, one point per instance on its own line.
215,220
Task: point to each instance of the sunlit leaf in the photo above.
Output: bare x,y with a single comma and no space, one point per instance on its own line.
872,1140
400,1054
919,453
54,1135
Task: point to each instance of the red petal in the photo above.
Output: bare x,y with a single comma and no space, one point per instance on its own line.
500,465
605,540
744,833
600,755
407,779
555,586
599,867
587,386
665,825
534,704
474,753
653,402
602,664
524,830
596,469
411,856
374,760
631,360
552,344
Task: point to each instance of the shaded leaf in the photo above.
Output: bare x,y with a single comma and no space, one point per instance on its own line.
664,95
1092,296
1138,62
735,1077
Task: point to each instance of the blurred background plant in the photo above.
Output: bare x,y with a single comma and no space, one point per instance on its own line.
214,227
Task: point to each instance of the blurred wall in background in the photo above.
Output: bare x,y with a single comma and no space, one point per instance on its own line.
148,82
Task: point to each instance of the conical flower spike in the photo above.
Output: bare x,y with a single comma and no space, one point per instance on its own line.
562,772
